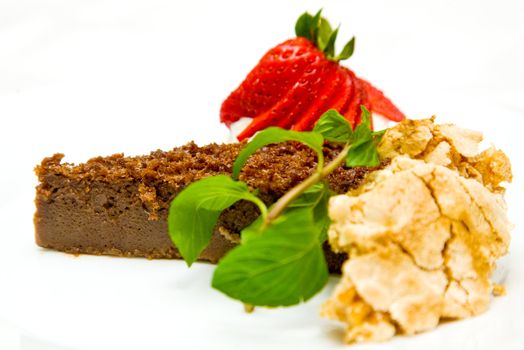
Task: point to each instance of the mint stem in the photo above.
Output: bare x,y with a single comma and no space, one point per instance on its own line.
248,308
296,191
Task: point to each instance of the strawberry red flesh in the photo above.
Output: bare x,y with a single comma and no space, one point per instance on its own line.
331,94
305,92
270,81
318,92
381,104
352,110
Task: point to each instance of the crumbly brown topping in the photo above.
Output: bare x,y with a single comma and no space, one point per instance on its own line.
423,234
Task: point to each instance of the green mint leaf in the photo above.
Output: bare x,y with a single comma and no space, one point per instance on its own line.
195,210
365,154
315,198
253,230
276,135
363,132
282,267
347,51
378,134
303,27
334,127
363,150
309,198
320,214
365,117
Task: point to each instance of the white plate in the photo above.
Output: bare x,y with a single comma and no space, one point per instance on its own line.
98,77
91,302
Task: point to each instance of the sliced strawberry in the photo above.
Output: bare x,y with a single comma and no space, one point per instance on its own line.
276,75
345,93
351,81
364,101
381,104
272,78
325,86
352,110
334,96
304,93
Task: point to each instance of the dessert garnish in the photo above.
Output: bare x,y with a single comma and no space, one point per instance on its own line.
279,261
298,80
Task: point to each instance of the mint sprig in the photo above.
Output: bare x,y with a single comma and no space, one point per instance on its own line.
280,260
282,267
318,30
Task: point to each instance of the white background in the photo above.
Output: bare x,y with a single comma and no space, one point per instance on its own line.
99,77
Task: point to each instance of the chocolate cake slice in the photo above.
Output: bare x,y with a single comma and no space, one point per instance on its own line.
118,205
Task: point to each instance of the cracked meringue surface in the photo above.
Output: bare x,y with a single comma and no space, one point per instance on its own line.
422,235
